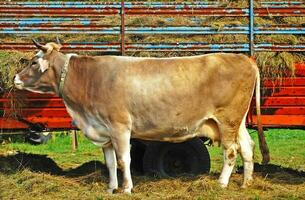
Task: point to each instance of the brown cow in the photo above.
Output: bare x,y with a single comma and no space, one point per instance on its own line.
113,99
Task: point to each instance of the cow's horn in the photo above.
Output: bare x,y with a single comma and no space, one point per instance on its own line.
39,46
57,40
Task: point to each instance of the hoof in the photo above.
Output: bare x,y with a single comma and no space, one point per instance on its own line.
127,191
223,185
246,184
112,190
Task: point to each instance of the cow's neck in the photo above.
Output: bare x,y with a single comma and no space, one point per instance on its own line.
61,65
63,74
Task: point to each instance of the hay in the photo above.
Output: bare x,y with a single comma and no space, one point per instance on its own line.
281,39
9,67
282,63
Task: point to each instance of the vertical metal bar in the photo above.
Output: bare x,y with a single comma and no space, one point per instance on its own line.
122,27
251,27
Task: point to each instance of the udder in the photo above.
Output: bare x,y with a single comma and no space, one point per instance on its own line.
210,129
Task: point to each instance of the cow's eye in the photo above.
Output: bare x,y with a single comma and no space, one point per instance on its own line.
34,63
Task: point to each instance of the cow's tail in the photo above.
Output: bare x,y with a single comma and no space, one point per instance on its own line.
262,141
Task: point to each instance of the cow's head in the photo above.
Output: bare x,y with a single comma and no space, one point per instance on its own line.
41,73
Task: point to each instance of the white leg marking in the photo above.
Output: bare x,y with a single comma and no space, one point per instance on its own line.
111,163
246,150
230,155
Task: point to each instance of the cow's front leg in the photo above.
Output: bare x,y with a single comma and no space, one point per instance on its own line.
111,163
121,143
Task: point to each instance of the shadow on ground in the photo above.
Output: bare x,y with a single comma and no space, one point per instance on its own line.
41,163
278,174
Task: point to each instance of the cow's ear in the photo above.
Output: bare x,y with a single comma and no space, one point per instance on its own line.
24,61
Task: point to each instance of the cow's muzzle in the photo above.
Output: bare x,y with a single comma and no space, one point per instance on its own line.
18,83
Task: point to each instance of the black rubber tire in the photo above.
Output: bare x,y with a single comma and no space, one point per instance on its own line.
137,153
174,159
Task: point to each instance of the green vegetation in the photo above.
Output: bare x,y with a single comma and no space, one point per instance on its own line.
87,180
59,149
287,149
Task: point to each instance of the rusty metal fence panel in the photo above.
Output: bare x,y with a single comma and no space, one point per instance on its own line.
51,17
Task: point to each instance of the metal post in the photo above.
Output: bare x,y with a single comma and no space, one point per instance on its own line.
251,28
122,27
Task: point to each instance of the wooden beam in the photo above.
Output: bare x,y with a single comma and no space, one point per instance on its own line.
74,140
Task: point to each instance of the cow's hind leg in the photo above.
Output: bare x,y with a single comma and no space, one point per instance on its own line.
246,151
230,146
229,155
121,143
111,163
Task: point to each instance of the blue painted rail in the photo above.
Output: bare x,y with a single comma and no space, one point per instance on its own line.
57,17
25,28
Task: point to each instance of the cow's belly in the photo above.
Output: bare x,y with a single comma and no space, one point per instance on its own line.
173,134
99,135
207,126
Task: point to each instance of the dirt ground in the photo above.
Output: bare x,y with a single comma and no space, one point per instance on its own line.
31,176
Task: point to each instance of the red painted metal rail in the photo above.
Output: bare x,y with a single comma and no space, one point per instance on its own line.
283,102
21,110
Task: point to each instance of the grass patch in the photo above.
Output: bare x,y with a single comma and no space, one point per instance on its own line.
60,149
286,146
